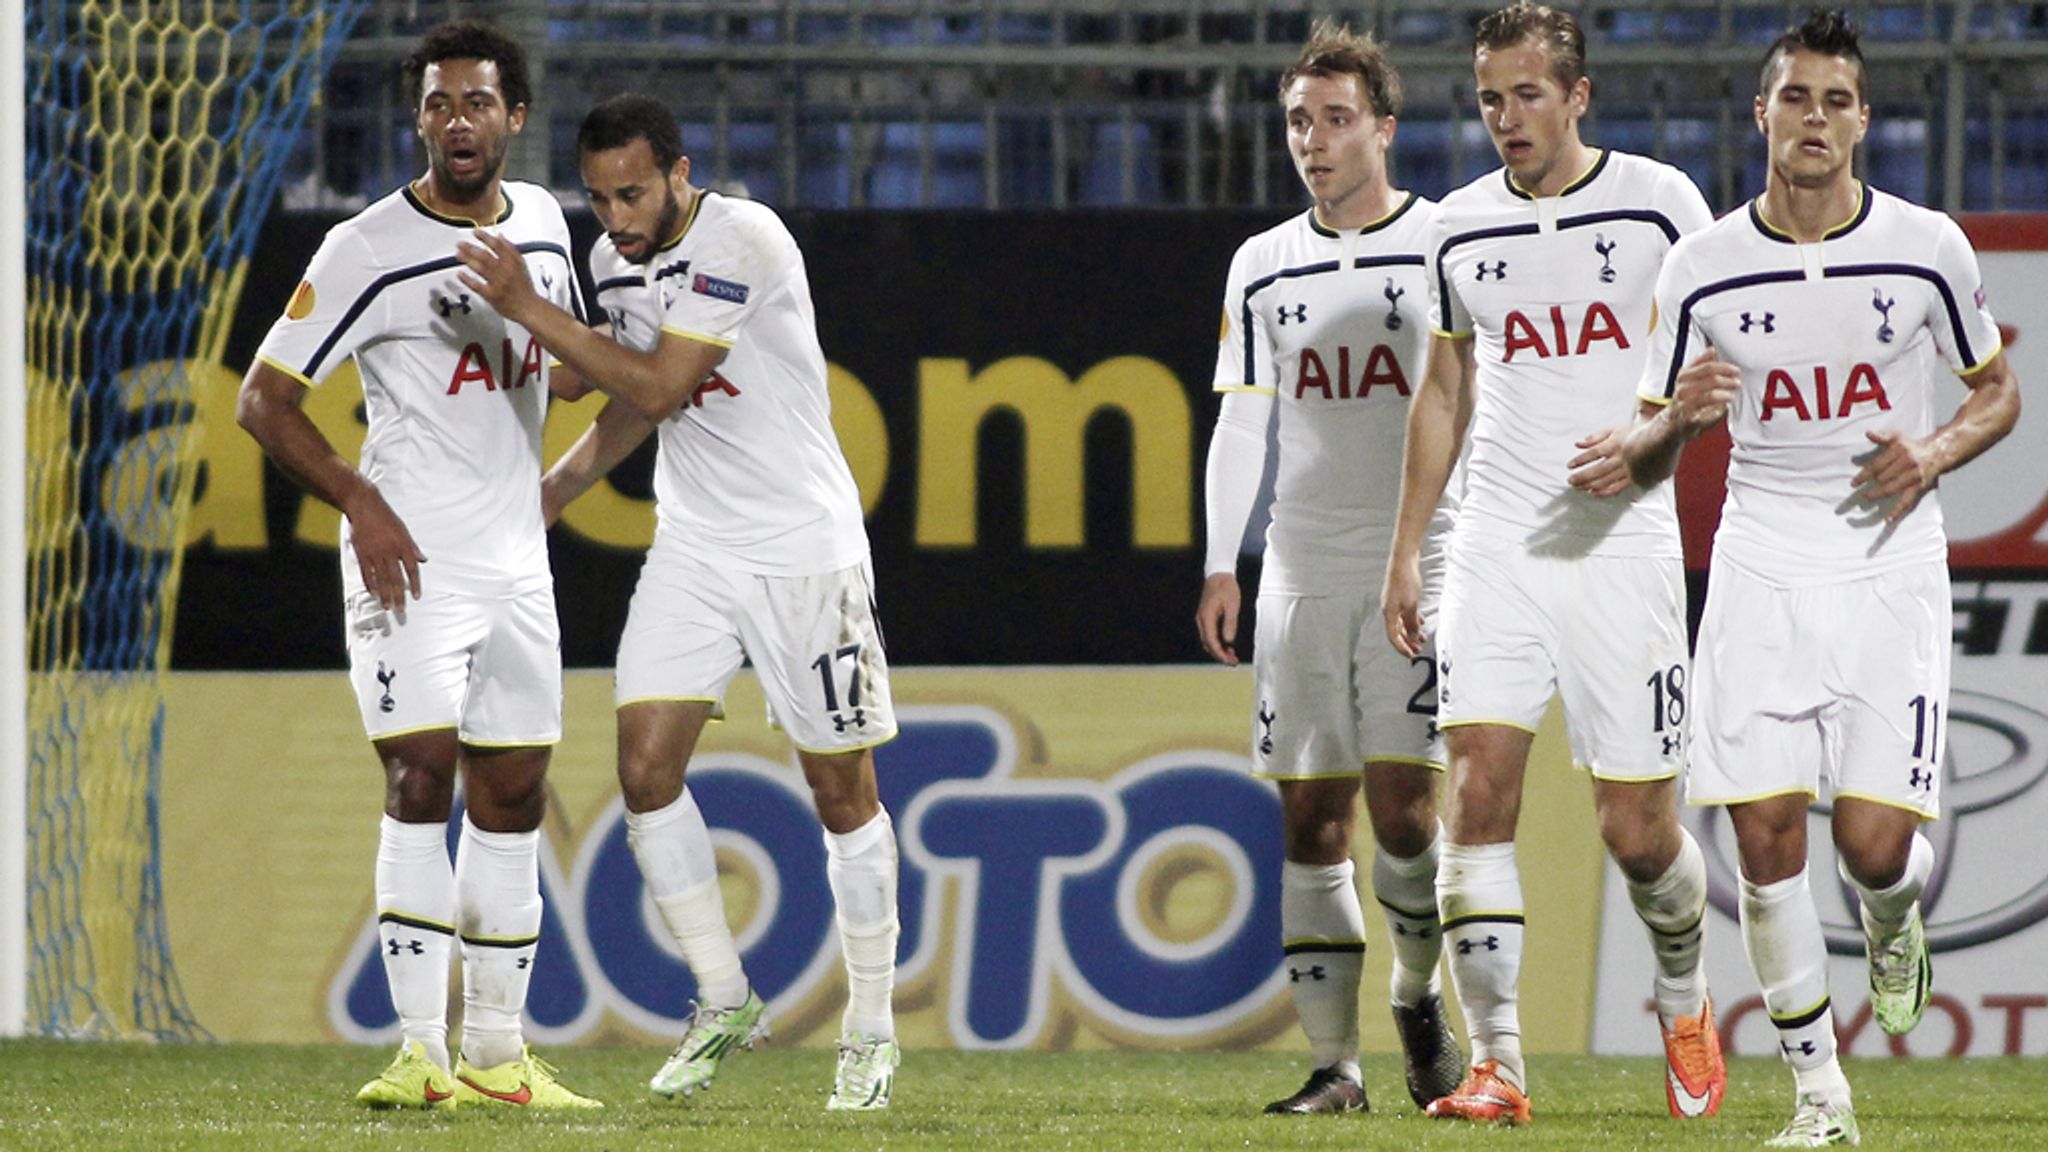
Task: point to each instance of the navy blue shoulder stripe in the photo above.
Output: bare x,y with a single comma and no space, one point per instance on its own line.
1317,269
1679,351
1638,215
1941,285
611,282
400,276
1443,283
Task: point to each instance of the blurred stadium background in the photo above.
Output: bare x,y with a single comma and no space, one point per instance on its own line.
1017,215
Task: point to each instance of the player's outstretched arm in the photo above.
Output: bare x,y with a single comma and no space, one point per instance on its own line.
655,383
612,437
1903,469
1704,390
271,408
1436,429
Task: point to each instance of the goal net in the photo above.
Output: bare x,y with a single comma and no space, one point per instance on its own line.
155,134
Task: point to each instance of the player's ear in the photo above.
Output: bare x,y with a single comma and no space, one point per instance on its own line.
679,173
1760,129
516,119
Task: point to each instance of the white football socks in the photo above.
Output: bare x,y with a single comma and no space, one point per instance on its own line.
1781,931
1674,908
416,928
497,885
673,847
861,866
1479,896
1322,935
1406,891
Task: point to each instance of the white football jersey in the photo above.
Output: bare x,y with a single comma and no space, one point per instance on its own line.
1332,324
1835,340
1556,292
455,395
750,468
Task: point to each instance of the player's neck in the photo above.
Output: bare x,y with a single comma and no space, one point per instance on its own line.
1369,205
1809,214
485,208
1574,160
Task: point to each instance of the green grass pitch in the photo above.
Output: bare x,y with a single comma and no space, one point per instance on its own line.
162,1098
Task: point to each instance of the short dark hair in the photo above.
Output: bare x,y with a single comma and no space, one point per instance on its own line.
470,40
1554,29
1825,32
623,119
1333,49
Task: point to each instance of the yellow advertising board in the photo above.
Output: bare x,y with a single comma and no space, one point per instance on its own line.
1087,863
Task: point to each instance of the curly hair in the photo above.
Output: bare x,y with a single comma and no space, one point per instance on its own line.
1335,50
470,40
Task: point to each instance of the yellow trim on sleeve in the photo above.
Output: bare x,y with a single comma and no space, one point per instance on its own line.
1980,365
294,373
1659,401
1435,331
1255,389
699,337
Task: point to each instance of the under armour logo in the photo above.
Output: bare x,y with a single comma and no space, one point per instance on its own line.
1433,731
448,307
1920,779
413,946
1467,947
840,720
1605,248
1804,1047
1266,723
1393,295
1670,744
1769,322
1312,972
525,962
1884,312
384,677
1422,933
1300,315
619,317
1499,271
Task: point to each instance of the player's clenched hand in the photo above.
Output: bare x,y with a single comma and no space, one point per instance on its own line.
1598,469
389,560
1216,616
1401,605
497,272
1901,470
1704,390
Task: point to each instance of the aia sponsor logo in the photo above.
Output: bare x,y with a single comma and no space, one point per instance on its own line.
1554,334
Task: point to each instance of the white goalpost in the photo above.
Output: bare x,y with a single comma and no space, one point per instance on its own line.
13,535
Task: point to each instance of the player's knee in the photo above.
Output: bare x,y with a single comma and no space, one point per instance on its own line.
648,784
416,793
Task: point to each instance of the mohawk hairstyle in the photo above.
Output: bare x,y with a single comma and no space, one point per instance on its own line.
1826,32
1333,49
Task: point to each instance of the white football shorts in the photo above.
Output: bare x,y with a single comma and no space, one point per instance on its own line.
488,667
1606,633
1333,694
1844,680
813,641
